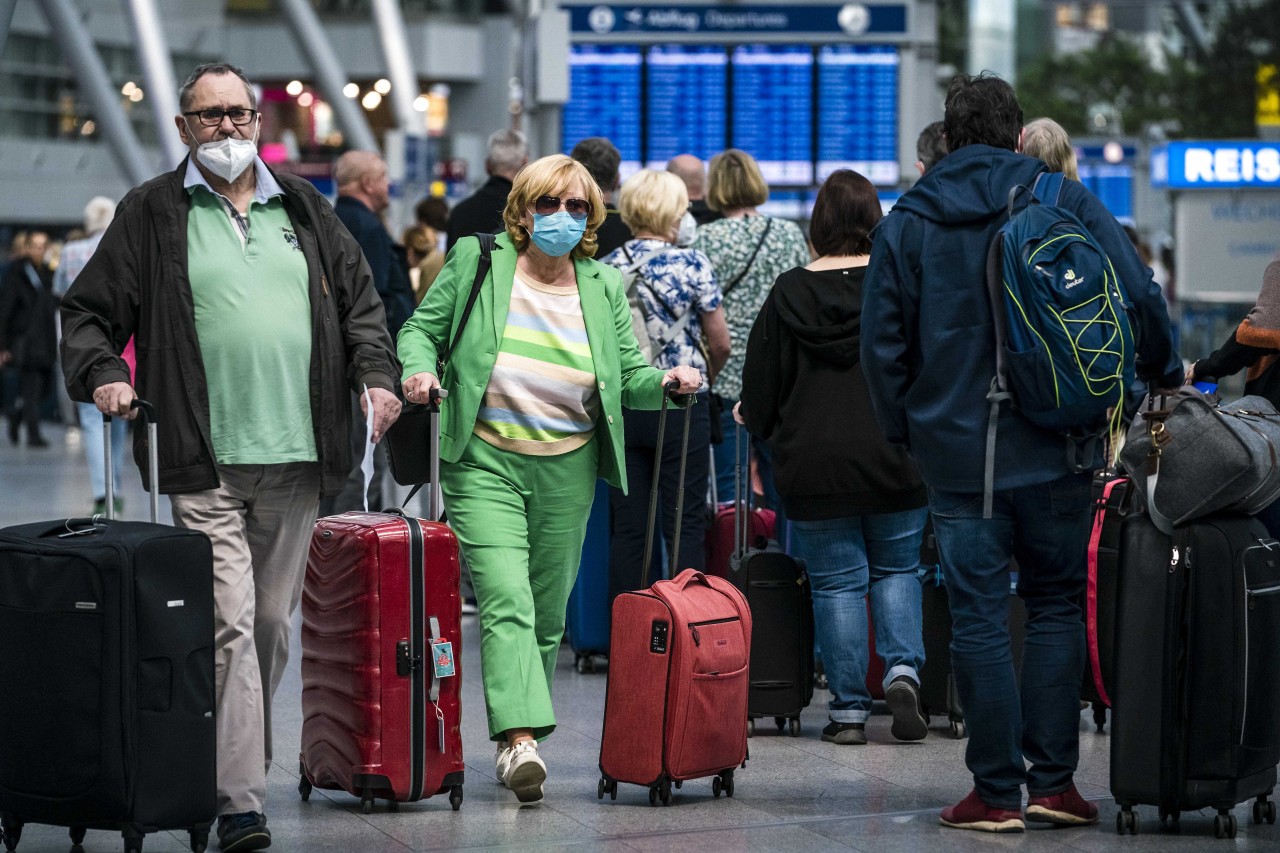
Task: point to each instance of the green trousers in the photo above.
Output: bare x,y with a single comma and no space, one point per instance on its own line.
520,521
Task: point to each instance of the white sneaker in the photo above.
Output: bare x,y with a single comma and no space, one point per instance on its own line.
525,771
501,760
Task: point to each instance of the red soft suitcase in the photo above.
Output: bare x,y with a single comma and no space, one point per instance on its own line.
676,697
381,650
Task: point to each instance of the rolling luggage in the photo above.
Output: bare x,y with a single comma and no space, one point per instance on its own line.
1111,508
1196,704
723,530
587,620
777,591
381,650
676,698
106,716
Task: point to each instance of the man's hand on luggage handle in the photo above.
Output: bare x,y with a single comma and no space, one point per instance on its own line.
737,414
115,399
386,408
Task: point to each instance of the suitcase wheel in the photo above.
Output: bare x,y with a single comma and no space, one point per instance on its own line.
366,801
304,788
1264,809
958,730
12,832
455,797
1127,821
716,786
751,728
132,842
679,784
780,722
1224,825
793,726
199,841
1171,818
77,834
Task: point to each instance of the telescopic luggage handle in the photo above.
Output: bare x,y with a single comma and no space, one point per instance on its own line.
153,458
669,389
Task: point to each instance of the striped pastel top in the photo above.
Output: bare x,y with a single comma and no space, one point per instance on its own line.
542,398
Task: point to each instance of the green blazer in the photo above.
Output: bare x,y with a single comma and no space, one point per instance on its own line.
623,376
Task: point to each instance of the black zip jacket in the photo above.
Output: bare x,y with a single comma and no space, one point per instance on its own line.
136,284
803,390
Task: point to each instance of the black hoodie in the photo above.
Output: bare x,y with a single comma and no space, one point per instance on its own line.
803,390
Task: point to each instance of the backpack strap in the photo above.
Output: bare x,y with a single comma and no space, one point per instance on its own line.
1048,187
999,390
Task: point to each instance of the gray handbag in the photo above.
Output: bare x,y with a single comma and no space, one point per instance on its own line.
1191,456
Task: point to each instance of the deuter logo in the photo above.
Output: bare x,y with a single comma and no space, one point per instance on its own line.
1072,279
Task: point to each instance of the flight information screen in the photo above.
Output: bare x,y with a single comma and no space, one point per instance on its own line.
685,90
772,109
604,99
858,111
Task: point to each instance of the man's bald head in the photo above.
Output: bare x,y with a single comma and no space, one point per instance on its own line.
692,171
363,175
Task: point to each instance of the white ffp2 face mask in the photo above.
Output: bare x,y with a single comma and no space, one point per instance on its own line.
688,229
228,158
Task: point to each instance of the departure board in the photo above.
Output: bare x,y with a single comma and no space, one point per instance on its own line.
772,109
858,111
685,91
1112,184
604,99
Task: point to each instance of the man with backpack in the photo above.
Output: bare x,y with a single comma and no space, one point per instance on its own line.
929,351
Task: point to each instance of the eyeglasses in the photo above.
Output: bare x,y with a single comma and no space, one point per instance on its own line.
578,208
213,117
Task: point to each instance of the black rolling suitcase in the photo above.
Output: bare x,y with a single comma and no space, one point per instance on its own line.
777,591
1196,704
107,706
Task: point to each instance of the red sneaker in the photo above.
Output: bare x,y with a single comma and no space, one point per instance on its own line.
1065,809
973,813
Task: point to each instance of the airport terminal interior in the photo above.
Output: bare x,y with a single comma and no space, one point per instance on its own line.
795,794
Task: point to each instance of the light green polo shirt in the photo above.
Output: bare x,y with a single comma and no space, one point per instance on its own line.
253,322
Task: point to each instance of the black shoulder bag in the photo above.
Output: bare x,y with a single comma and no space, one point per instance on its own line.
409,437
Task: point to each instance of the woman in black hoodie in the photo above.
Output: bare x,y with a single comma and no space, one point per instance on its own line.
857,504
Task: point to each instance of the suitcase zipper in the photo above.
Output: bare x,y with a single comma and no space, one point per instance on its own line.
693,627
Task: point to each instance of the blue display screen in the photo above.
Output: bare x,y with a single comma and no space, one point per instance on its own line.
858,111
772,109
604,99
1112,184
685,89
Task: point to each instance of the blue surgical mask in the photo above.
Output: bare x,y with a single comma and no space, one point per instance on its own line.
557,233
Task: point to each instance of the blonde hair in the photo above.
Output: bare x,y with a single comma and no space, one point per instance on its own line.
549,176
652,201
1044,138
734,180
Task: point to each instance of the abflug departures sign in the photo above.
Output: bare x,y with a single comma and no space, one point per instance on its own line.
849,19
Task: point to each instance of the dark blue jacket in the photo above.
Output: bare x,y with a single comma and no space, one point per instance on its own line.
928,344
390,272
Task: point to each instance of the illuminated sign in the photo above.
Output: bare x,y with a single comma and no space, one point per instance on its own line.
849,19
1216,165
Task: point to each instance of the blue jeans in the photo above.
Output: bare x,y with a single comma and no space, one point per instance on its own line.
94,450
1046,528
844,557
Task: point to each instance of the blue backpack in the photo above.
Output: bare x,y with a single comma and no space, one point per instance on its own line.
1064,344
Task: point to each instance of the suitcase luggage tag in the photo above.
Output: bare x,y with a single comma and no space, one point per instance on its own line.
442,664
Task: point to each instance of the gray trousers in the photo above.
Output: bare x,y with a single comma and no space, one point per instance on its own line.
259,521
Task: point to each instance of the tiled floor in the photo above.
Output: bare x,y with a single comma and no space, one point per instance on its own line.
796,794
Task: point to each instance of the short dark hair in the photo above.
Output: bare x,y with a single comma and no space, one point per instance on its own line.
982,110
602,159
184,91
931,145
846,210
433,212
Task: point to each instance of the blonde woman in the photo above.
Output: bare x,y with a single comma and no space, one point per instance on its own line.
1045,139
681,302
537,382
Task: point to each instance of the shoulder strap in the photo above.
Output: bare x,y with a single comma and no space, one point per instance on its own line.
487,245
1048,187
724,291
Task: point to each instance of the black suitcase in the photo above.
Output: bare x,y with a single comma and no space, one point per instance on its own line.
777,591
107,705
1196,704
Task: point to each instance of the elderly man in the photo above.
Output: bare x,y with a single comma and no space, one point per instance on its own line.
29,334
255,316
482,210
693,172
364,191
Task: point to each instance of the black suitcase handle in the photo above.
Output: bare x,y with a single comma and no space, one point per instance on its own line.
148,413
669,389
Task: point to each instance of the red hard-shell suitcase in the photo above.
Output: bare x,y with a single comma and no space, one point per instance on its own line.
381,649
676,698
